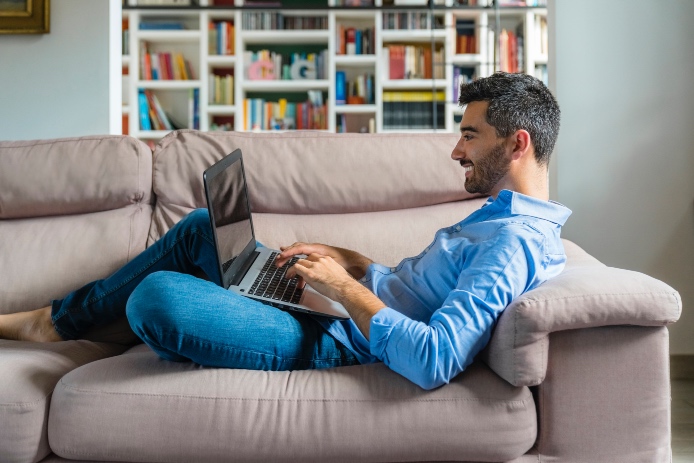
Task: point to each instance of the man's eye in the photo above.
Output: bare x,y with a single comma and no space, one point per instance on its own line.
467,137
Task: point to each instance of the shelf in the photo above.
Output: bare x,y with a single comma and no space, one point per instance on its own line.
284,37
413,36
284,85
466,59
355,60
355,109
168,84
221,60
541,59
221,110
152,134
125,109
169,36
414,84
125,60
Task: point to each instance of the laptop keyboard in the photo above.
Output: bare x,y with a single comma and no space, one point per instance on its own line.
271,283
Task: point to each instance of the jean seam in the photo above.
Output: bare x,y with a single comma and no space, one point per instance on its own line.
238,349
134,275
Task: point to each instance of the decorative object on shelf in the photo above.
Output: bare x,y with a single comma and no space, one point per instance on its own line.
25,16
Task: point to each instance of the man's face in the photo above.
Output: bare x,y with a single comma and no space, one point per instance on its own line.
480,152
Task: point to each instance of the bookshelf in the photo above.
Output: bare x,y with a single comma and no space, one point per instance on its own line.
453,42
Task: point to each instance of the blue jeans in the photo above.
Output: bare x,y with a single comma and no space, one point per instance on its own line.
185,318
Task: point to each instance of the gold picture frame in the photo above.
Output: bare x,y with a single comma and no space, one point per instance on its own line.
24,16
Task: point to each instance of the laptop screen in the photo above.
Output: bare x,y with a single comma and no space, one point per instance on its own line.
229,205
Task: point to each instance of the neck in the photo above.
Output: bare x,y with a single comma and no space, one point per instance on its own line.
531,182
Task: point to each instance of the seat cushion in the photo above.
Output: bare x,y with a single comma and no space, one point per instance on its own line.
138,407
29,373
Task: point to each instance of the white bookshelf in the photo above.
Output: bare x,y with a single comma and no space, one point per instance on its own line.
193,43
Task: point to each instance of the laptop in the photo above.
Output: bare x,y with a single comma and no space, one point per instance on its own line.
246,268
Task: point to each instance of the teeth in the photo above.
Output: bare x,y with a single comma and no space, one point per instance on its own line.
468,168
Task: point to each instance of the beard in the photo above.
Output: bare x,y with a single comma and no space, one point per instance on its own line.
488,171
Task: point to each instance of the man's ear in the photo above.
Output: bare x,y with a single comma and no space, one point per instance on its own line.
521,144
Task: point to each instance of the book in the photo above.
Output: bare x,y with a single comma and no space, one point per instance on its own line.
340,91
145,122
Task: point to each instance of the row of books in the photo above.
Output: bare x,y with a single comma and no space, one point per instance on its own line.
466,39
270,65
221,89
359,90
125,37
541,32
354,41
461,75
413,110
153,116
163,66
413,62
417,20
221,38
277,21
510,51
259,114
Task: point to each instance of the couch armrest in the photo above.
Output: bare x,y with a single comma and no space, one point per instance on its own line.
586,294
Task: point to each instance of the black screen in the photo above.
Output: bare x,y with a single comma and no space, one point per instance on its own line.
232,218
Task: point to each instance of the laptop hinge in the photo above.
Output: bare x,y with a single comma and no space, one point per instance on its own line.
244,268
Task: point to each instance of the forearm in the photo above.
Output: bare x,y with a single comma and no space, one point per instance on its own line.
356,264
361,304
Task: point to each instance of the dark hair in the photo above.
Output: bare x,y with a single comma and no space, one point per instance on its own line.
518,101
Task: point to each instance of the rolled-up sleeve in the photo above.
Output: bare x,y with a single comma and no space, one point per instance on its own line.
494,273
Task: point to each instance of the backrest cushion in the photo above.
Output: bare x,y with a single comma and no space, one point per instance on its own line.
71,211
310,172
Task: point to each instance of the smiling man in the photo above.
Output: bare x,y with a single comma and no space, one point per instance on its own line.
426,318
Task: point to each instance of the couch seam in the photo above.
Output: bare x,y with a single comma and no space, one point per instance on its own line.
24,404
527,301
260,399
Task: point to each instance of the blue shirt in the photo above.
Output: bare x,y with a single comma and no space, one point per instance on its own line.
443,303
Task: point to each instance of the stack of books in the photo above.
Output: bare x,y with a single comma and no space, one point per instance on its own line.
163,66
413,62
259,114
353,41
413,110
221,38
153,116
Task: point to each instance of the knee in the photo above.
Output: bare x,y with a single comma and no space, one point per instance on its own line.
198,219
151,304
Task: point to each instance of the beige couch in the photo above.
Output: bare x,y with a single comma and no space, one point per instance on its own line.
576,371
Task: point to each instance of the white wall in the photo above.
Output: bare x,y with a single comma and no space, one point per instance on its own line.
623,73
57,84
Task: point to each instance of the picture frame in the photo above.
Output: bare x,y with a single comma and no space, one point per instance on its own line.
24,16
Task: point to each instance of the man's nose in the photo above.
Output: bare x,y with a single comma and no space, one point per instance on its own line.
457,152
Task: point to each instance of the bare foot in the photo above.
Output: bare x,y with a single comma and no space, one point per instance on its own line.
35,325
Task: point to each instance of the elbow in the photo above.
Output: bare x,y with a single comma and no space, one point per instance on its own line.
430,382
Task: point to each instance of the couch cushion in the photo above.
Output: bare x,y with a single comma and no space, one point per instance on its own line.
73,175
29,374
138,407
44,258
586,294
302,173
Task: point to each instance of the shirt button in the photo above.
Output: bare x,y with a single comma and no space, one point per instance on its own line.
392,269
458,227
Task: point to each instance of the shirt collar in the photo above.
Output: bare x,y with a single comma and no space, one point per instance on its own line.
521,204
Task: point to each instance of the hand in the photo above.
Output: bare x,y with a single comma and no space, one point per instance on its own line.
324,275
352,261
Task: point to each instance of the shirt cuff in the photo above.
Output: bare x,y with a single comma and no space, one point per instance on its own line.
379,330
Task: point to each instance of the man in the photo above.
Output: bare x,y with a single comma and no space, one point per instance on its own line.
426,318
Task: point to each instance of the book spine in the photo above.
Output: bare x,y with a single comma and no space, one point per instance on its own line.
145,123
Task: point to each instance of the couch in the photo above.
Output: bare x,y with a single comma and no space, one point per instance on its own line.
577,370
